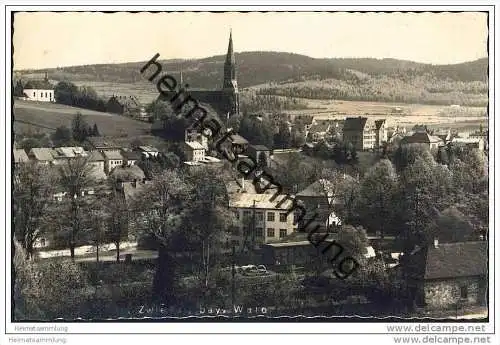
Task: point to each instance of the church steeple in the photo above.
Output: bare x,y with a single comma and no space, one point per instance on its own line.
230,66
230,85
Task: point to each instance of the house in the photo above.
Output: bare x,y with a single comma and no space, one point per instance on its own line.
130,157
318,200
192,134
124,105
101,144
255,151
423,138
148,151
361,132
260,219
194,151
39,90
96,162
239,143
20,156
127,173
443,274
380,133
62,154
318,131
112,159
41,155
475,143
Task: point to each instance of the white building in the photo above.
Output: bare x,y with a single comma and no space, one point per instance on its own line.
259,219
39,90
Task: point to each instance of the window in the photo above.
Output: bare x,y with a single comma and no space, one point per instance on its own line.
246,214
34,94
259,232
282,233
270,232
283,217
260,216
270,216
463,291
236,214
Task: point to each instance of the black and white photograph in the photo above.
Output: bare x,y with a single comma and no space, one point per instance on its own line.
190,170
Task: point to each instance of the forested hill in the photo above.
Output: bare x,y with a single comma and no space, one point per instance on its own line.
294,75
262,67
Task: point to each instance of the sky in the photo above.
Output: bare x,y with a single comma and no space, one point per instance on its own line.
48,40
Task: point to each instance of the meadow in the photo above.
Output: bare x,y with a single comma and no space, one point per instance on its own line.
46,117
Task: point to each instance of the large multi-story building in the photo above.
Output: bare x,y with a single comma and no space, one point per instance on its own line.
360,132
259,219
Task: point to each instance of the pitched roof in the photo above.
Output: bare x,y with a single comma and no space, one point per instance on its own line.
321,187
95,156
113,155
238,139
38,85
194,145
451,260
319,127
421,138
131,155
148,148
42,154
262,201
260,148
379,123
355,123
102,142
20,156
68,152
126,101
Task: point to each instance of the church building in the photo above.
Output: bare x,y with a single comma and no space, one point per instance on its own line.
225,100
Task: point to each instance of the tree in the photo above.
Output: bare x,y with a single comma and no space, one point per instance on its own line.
406,155
79,128
18,89
62,136
33,191
353,241
95,131
75,177
425,188
65,92
262,161
117,220
159,208
208,220
298,137
451,225
47,289
28,143
283,138
378,197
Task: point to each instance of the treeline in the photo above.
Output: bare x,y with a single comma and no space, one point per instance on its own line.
255,103
82,97
398,89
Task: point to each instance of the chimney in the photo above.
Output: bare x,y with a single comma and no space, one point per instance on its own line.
436,242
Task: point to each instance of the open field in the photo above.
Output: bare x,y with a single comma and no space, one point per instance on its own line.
145,91
46,117
410,114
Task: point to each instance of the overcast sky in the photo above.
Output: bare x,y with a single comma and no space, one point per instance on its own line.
44,40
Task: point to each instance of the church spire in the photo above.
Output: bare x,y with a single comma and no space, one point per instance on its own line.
230,53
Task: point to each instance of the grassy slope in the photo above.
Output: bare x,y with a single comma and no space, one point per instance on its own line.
47,117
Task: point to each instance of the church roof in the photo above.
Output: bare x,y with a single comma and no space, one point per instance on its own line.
230,53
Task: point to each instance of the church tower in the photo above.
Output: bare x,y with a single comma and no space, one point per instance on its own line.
230,85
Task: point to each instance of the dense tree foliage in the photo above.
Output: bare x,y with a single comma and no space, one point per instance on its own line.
82,97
